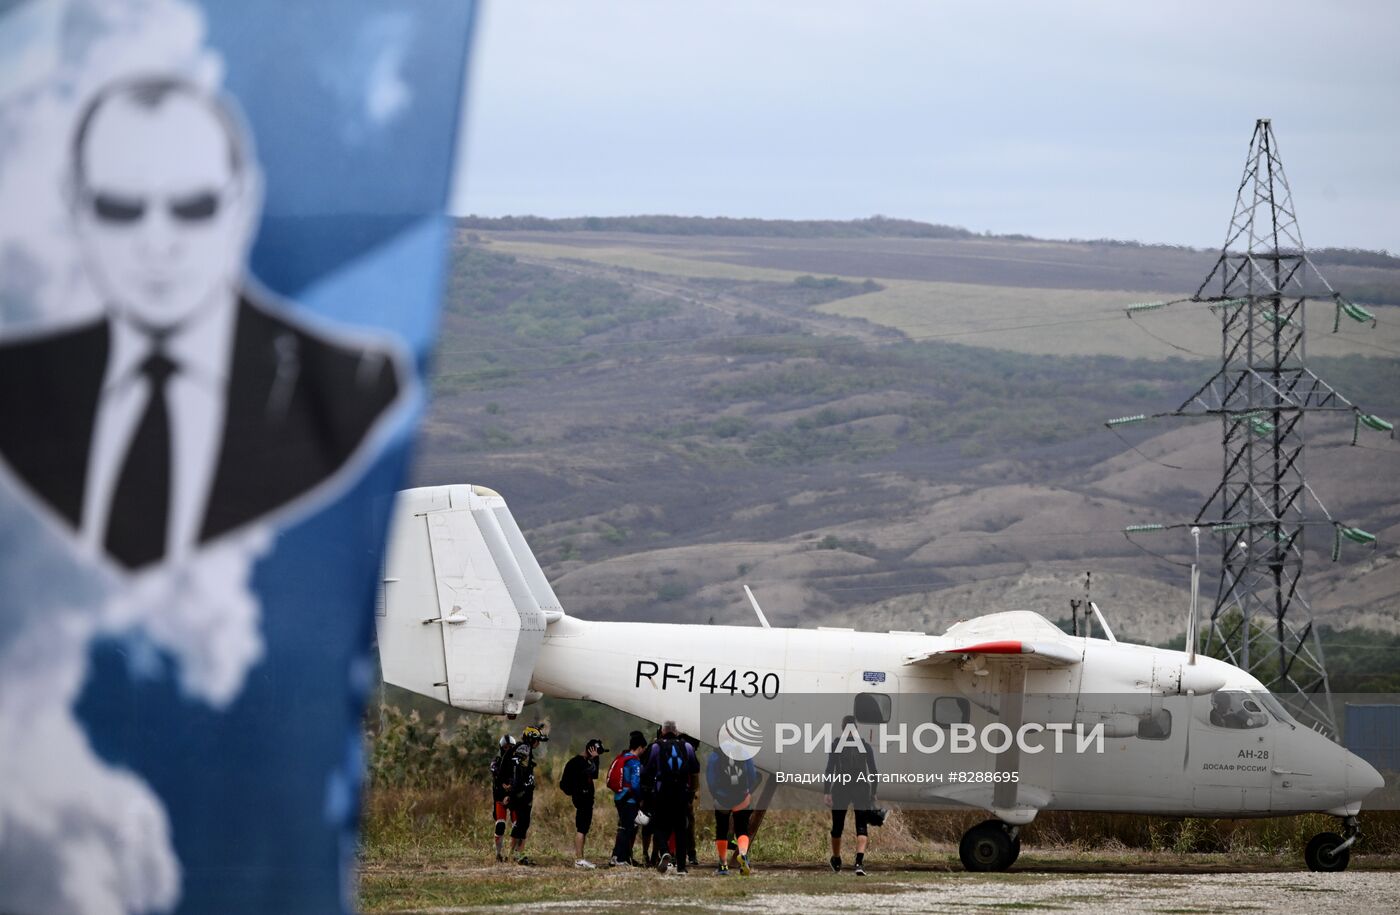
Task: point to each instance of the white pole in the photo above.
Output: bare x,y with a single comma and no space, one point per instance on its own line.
1193,623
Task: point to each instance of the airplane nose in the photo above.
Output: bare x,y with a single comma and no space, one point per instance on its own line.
1362,778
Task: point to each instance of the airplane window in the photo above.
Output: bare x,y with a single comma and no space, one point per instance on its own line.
951,710
1234,709
1275,708
1157,726
872,708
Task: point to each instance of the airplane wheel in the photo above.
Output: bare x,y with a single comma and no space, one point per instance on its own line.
1015,851
1321,856
988,847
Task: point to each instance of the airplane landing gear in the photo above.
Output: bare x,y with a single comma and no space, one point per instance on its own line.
990,846
1330,852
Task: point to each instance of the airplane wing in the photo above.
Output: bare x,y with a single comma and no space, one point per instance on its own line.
1020,636
1035,654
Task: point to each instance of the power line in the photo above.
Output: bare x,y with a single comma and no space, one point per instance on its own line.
733,550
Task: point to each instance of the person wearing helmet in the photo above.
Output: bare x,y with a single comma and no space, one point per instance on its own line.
521,796
580,773
502,768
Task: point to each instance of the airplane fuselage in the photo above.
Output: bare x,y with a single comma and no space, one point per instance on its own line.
1179,763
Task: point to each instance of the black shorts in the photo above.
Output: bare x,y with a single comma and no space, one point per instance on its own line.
740,818
583,817
522,822
838,821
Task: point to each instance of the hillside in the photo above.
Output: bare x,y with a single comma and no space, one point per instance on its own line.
881,431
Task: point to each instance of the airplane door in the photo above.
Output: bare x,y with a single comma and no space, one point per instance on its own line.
997,695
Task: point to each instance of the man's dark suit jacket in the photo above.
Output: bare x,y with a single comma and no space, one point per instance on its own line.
299,405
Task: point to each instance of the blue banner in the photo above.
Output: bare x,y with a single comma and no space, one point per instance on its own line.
222,237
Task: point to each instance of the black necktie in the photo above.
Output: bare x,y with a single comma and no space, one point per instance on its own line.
138,524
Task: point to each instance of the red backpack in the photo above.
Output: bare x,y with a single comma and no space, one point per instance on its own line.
615,771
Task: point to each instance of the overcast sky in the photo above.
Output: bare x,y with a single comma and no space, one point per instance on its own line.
1085,120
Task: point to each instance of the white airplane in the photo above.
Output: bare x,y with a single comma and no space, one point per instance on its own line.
467,617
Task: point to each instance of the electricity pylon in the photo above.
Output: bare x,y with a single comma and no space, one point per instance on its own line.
1259,288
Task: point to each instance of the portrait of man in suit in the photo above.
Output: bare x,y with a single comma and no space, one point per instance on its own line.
194,405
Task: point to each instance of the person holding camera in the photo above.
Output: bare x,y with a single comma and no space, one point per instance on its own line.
580,773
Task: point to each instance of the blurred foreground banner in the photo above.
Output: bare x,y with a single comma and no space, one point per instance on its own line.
221,250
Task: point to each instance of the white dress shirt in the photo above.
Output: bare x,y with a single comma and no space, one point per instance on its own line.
196,399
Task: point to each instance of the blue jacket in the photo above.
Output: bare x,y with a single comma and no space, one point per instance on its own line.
729,781
631,782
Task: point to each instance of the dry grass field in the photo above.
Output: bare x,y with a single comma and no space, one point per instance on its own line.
1078,322
889,433
628,257
430,851
1049,320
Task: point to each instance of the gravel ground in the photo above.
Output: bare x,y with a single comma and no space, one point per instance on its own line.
1167,891
1289,892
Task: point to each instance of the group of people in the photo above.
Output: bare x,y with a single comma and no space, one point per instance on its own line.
654,786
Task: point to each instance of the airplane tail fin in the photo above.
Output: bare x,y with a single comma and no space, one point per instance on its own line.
464,603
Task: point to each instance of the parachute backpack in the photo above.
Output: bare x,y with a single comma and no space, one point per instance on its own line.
672,767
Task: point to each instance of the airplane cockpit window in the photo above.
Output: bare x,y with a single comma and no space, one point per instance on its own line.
872,708
1157,726
1275,707
1237,710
